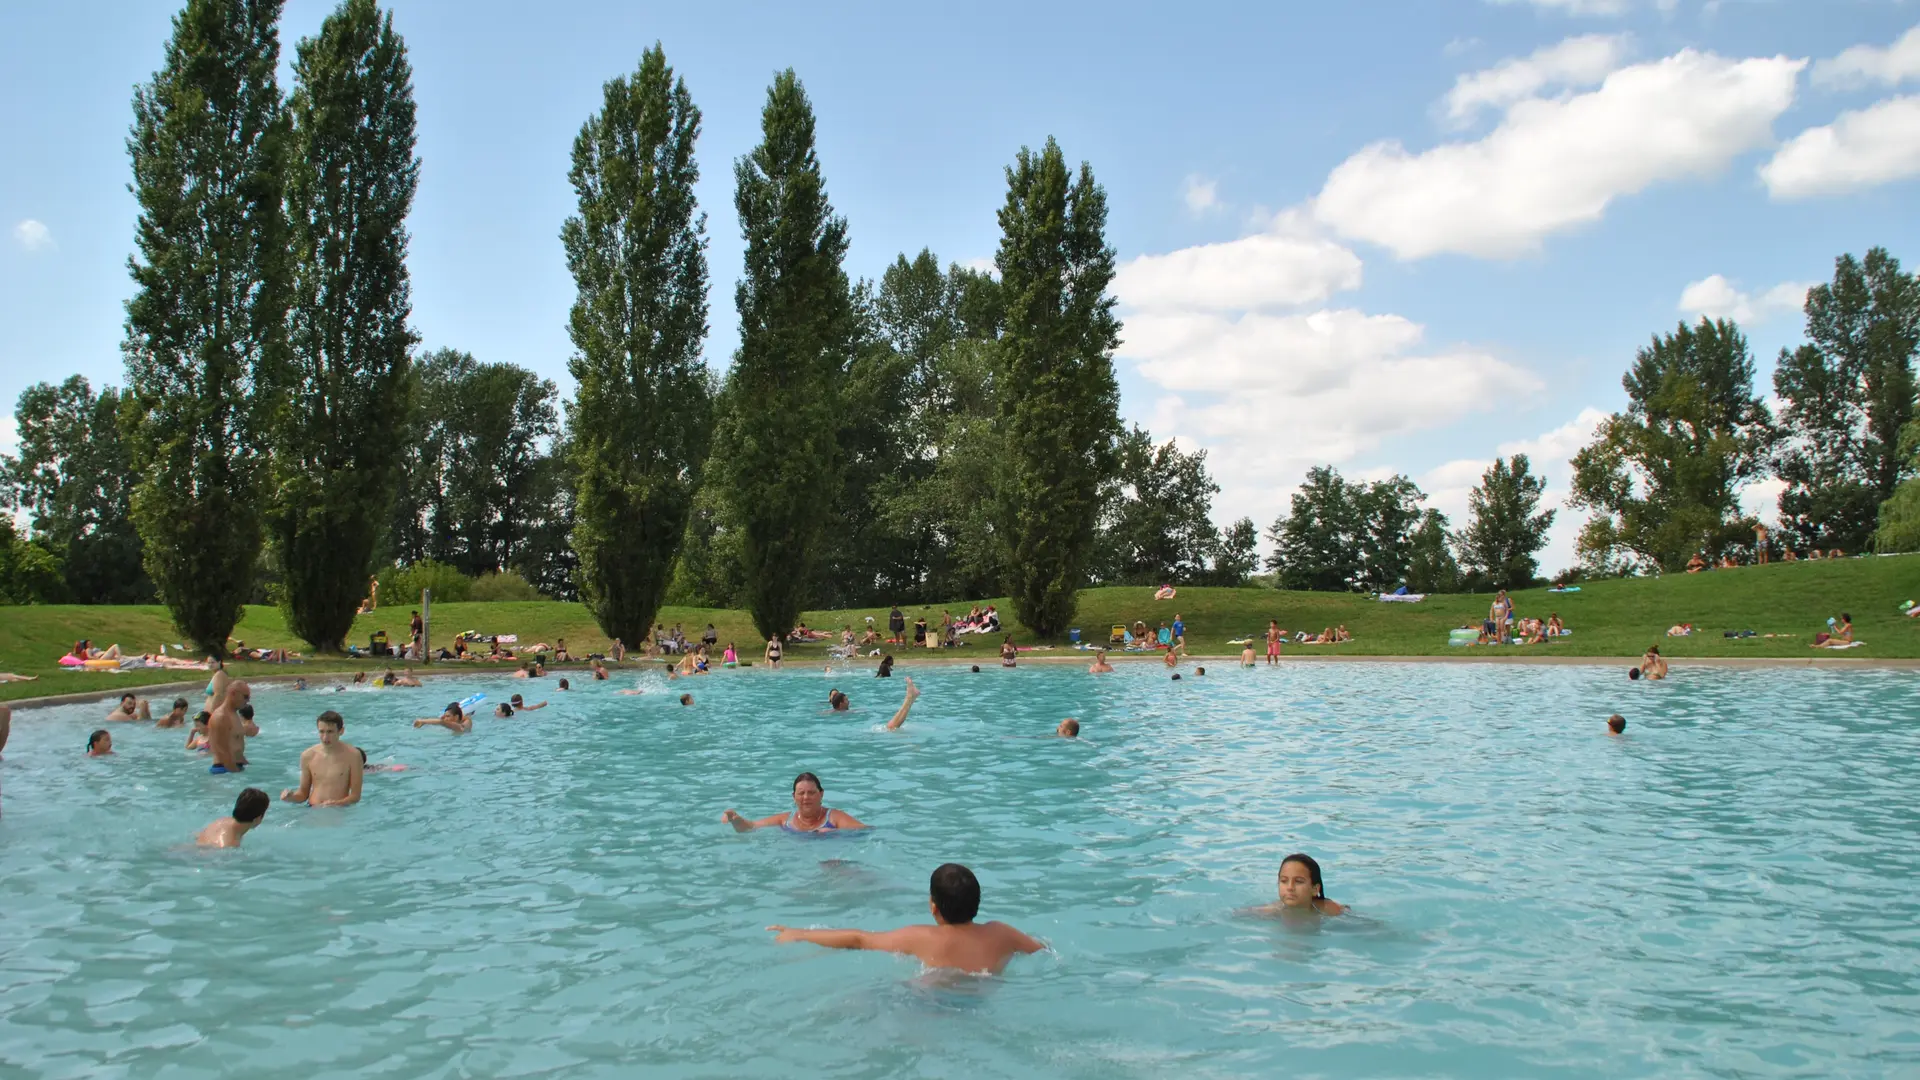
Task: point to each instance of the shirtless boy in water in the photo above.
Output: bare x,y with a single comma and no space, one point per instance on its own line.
953,941
330,771
249,810
225,740
452,719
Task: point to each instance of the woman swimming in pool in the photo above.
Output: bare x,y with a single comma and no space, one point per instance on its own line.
1302,890
808,815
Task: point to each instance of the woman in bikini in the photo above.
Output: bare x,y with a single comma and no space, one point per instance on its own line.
1008,654
808,816
773,651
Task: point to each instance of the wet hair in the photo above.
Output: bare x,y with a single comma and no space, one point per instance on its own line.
251,805
505,709
1199,671
1616,723
811,779
179,703
838,700
1072,726
955,892
247,710
976,669
1633,673
363,756
564,686
124,698
331,717
201,717
686,699
516,700
93,740
1176,676
1313,873
452,707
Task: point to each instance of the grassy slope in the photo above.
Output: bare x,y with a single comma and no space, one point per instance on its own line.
1609,619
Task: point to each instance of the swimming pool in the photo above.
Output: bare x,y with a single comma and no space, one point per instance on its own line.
1727,890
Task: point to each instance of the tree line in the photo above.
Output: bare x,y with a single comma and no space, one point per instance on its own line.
941,432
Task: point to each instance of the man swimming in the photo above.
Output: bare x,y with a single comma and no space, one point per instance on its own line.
130,709
1099,665
838,701
686,699
1616,724
1302,890
225,740
330,770
1068,729
249,810
808,816
953,941
175,718
452,719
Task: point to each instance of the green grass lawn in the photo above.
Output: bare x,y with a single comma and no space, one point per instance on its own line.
1608,619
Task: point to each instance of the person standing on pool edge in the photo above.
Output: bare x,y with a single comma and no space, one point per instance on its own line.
808,816
330,771
953,941
773,651
1273,642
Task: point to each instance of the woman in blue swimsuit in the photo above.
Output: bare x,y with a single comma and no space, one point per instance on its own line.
808,816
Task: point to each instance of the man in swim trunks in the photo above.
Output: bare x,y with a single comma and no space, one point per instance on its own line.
177,717
953,941
131,709
452,719
1246,656
1099,665
249,810
225,740
808,816
1273,642
330,770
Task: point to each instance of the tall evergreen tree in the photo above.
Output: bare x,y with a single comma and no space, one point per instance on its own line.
1059,401
1663,479
1431,566
1503,539
642,417
777,460
73,477
1844,398
343,399
206,327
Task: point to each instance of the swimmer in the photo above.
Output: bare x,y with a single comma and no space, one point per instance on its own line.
808,816
1068,729
953,941
366,768
913,695
197,738
225,740
330,770
564,685
503,710
248,811
521,706
976,669
1616,724
1199,671
838,701
452,719
686,699
1173,660
1099,665
599,670
299,684
100,743
1176,676
1246,656
405,678
247,727
1302,890
175,718
1008,653
130,709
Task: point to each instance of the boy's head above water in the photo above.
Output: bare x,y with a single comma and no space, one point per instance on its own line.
954,894
1616,723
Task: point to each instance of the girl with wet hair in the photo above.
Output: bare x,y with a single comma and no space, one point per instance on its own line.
1303,889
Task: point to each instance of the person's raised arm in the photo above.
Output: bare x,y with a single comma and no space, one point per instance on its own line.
304,791
741,824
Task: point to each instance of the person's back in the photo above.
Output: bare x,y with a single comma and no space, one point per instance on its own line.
953,941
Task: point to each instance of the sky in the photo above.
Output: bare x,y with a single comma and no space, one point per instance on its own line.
1392,236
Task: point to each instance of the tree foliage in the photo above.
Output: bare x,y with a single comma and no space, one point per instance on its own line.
775,449
1663,478
29,572
1431,566
1342,535
73,478
642,417
206,327
341,401
1845,396
1059,400
1157,524
1502,540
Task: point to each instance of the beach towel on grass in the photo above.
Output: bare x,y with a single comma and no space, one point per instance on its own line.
1402,598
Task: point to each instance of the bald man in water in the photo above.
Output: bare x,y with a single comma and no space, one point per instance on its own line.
224,738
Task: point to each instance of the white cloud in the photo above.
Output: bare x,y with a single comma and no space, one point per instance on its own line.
9,434
984,266
1201,194
1575,7
1717,298
1549,456
1867,65
1264,270
32,235
1575,62
1555,164
1860,149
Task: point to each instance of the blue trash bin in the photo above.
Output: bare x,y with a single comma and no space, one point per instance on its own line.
1073,635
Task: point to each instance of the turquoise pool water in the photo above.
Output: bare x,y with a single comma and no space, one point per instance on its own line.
1729,890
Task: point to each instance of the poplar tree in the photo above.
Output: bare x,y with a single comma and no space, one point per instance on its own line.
342,402
775,450
641,419
1059,401
206,326
1503,538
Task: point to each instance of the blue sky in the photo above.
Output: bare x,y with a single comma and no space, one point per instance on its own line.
1389,236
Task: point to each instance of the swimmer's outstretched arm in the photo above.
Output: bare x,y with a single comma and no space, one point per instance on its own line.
740,824
899,718
907,939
